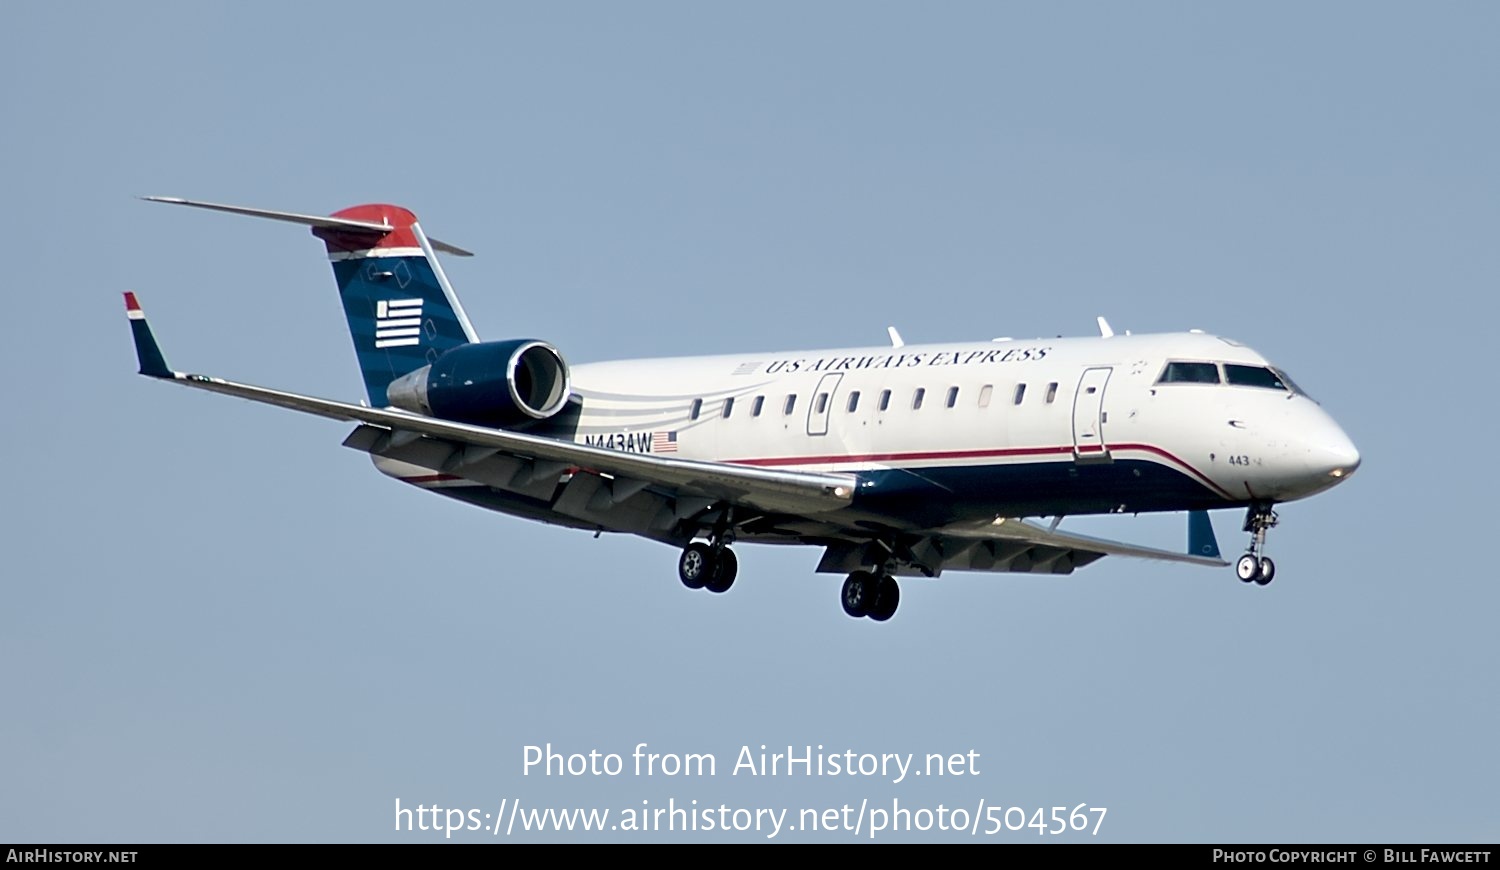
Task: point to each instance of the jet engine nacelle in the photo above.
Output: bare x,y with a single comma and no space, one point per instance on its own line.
493,383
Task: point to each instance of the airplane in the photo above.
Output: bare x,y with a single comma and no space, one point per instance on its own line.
897,460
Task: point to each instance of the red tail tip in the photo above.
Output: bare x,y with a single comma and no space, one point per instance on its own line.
131,303
393,216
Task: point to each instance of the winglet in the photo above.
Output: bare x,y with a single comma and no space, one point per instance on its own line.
153,364
1201,540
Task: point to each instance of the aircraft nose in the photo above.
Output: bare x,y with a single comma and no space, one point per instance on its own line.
1330,452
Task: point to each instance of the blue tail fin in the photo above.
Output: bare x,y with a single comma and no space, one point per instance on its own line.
402,312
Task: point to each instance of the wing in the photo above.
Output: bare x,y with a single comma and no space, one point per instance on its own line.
1018,540
1005,545
517,461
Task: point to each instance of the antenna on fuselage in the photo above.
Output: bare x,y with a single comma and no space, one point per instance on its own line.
1104,329
895,337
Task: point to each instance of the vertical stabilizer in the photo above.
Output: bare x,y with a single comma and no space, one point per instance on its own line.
402,312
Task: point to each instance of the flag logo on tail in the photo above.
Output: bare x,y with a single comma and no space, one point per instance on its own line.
663,442
398,322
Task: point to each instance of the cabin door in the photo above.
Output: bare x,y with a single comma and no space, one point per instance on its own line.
1088,416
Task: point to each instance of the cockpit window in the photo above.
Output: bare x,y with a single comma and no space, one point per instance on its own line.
1190,373
1291,384
1253,376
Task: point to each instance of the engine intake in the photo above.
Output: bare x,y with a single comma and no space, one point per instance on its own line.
493,383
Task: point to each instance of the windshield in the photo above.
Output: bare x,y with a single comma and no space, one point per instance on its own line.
1291,384
1253,376
1234,374
1264,377
1190,373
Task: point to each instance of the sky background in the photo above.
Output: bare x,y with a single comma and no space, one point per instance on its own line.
219,625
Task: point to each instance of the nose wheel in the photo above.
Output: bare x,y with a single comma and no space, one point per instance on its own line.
1253,567
1252,570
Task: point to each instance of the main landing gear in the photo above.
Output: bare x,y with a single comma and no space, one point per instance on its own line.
1254,567
711,566
873,594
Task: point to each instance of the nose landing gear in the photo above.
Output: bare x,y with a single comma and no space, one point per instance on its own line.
1254,567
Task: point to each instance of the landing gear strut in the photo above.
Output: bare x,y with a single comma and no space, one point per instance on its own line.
873,594
1254,567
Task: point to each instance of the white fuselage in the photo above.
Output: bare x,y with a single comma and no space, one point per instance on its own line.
1065,404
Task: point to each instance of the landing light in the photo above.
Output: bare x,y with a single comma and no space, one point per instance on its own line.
1337,472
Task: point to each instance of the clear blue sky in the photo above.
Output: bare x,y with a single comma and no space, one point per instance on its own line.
218,624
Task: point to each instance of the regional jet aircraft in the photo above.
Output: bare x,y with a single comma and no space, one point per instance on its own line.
899,460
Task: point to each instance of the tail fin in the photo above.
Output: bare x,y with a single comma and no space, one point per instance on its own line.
402,311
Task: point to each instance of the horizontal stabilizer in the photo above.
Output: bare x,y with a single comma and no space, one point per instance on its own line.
343,225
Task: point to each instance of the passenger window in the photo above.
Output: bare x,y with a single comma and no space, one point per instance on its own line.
1190,373
1020,393
1252,376
696,409
984,395
853,401
885,399
791,403
916,398
952,396
755,406
1051,392
822,402
728,407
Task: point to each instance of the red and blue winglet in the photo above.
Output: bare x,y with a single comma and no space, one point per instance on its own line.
147,351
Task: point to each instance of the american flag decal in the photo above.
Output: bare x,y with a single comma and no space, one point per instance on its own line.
663,442
398,322
747,368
